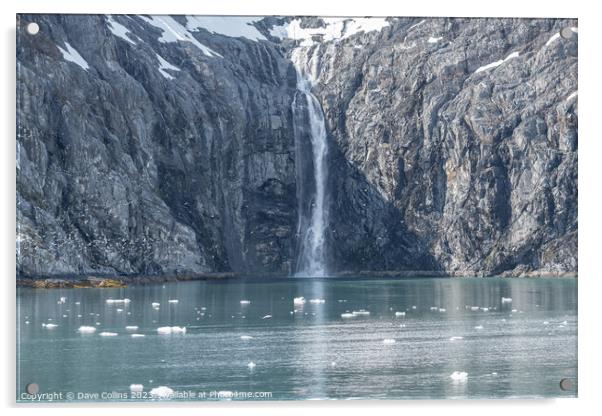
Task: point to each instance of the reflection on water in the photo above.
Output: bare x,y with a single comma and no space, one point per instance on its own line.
517,348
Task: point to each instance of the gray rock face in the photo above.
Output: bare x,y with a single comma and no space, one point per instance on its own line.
179,156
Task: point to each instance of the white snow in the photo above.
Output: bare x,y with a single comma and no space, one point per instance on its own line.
119,30
416,25
497,63
164,66
136,388
86,329
108,334
434,40
336,28
162,392
299,301
71,55
175,32
388,341
553,38
232,26
131,328
456,338
570,97
459,376
478,327
442,310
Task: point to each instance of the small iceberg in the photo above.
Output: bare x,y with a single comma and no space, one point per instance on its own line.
136,388
398,314
155,305
361,312
173,301
317,301
474,308
86,330
347,315
388,341
63,299
138,335
485,309
434,308
167,330
111,301
478,327
299,301
245,302
442,310
506,300
131,328
246,337
456,338
49,326
108,334
266,317
459,376
162,392
251,365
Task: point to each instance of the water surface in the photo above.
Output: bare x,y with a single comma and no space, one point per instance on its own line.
520,348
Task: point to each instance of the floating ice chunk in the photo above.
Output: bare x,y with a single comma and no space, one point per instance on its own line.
118,310
107,334
388,341
361,312
299,301
162,392
442,310
131,328
251,365
173,301
333,364
155,305
137,335
434,308
126,300
485,309
136,388
497,63
26,322
118,29
434,40
478,327
49,326
77,303
347,315
86,329
63,299
459,376
317,301
246,337
245,302
398,314
71,55
456,338
474,308
514,310
506,300
166,330
267,317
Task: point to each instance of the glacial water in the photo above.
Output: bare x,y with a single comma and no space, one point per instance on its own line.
318,349
311,262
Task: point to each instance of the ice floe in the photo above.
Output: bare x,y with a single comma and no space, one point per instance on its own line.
231,26
108,334
118,29
131,328
478,327
173,301
165,66
456,338
266,317
388,341
86,329
49,326
162,392
246,337
156,305
175,32
71,55
496,63
245,302
361,312
136,388
347,315
459,376
137,335
111,301
299,301
251,365
317,301
166,330
506,300
399,314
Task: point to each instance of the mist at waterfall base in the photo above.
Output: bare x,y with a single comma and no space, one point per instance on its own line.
311,350
311,260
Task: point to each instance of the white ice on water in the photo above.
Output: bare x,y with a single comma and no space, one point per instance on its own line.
86,329
317,301
49,326
162,392
136,388
398,314
111,301
246,337
299,301
459,376
388,341
167,330
71,55
137,335
173,301
245,302
506,300
267,317
108,334
131,328
251,365
347,315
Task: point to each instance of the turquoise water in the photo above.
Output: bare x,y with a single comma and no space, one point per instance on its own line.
520,348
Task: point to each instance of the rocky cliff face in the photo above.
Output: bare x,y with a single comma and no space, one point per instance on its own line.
150,145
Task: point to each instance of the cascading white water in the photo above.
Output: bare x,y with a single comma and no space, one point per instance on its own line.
312,256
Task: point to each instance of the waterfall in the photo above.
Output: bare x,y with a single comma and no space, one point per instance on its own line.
311,261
